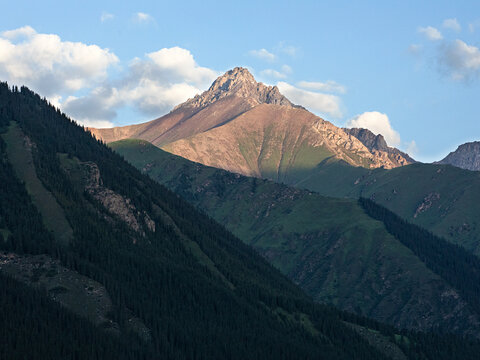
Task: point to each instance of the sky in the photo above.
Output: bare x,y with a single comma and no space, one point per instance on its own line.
409,70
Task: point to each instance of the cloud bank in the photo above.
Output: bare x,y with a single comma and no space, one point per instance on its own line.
152,85
453,57
459,60
317,102
76,77
49,65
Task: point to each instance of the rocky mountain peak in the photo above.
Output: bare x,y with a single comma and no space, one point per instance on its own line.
368,138
467,156
233,80
241,83
377,145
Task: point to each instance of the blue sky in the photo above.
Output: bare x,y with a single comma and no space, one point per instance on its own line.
408,69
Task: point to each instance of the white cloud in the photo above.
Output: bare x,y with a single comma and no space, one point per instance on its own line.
262,54
317,102
459,60
25,31
153,86
328,86
273,74
285,71
452,24
412,148
49,65
287,49
106,16
378,123
431,33
99,124
175,64
455,59
142,17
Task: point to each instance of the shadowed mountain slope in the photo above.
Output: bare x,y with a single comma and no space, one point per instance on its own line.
142,269
328,246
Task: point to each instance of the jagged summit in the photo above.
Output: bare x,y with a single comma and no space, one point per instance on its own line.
368,138
467,156
241,83
377,144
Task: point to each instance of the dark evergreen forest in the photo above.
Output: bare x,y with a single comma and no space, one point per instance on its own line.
251,311
459,267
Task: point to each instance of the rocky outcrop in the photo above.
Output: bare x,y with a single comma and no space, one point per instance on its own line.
238,82
467,156
378,146
115,203
427,203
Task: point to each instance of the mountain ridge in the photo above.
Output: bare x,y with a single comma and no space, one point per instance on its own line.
227,108
377,142
466,156
240,82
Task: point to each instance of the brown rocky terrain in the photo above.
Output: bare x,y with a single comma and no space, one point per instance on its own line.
247,127
89,179
378,146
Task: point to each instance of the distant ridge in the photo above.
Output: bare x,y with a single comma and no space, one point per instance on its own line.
467,156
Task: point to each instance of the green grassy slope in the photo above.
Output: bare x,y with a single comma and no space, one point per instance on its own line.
441,198
330,247
20,155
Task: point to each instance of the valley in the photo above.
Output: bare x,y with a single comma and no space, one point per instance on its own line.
330,247
241,181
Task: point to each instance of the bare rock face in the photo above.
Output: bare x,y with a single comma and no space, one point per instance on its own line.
239,82
378,146
369,139
467,156
115,203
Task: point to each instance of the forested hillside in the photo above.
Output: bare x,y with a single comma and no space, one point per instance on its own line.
199,291
330,247
174,282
